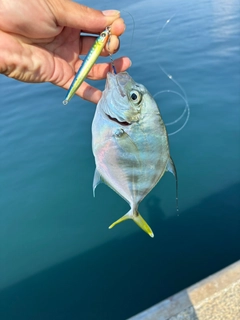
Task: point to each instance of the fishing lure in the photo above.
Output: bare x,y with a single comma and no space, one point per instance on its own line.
87,64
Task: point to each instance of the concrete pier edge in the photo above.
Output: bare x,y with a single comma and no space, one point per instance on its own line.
214,298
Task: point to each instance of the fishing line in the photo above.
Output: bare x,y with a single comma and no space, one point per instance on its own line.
186,109
133,29
110,55
183,96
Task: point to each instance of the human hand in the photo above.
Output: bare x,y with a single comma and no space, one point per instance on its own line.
40,41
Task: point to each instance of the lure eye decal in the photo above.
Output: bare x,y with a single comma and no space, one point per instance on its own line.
103,34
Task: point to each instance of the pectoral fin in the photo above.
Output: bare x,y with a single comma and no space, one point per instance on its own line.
125,142
127,145
138,219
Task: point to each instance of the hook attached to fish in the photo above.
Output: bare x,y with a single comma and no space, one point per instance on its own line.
88,62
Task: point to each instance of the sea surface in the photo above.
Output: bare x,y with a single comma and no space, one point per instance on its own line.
58,260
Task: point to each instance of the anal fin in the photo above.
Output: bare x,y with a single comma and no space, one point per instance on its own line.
96,180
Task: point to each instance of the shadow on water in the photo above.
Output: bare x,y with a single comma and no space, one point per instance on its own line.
124,277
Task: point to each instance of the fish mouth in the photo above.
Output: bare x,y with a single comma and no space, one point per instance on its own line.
122,123
118,81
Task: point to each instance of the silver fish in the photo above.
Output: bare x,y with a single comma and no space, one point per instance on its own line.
130,143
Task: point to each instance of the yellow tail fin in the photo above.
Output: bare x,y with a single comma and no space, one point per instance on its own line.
138,219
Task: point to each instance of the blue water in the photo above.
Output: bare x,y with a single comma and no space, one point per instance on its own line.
58,260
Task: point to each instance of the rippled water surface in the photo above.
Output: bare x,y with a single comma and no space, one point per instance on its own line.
58,260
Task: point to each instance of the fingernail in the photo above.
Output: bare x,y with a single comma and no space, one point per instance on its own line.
111,13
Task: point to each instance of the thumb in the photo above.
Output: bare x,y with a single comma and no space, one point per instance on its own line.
74,15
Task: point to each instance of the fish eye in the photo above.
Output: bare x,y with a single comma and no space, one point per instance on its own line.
103,34
135,96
